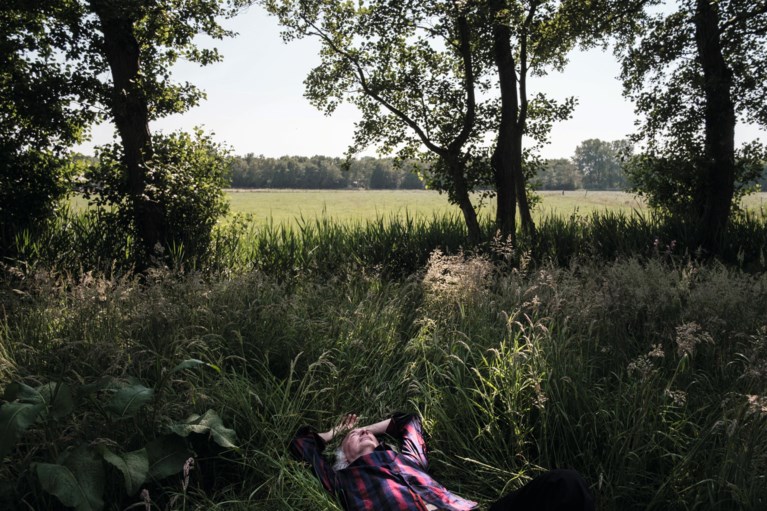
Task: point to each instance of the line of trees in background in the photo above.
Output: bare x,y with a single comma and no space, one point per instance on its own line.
596,165
323,172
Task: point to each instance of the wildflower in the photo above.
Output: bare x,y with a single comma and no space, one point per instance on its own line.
677,397
757,404
147,500
642,366
690,335
457,277
656,352
188,466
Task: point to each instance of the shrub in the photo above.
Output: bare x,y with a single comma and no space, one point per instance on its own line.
186,177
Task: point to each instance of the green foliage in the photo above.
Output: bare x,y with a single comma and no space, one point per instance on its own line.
321,172
645,373
39,117
411,70
395,246
68,63
77,483
72,467
187,176
661,71
558,174
133,465
673,183
208,424
601,163
692,71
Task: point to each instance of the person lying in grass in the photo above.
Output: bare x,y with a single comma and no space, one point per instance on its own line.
370,476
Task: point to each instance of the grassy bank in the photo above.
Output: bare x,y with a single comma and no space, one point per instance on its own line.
649,376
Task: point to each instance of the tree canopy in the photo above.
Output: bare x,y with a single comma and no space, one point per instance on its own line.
40,110
105,60
694,69
410,69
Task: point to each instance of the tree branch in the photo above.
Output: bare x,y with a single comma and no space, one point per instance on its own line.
360,72
744,17
471,105
522,118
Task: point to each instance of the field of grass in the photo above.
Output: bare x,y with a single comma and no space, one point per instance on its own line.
346,205
288,206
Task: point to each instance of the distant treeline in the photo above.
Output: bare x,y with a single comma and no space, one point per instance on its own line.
596,165
322,172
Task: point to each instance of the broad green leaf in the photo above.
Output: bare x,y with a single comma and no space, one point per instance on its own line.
167,456
193,362
134,466
22,392
59,397
15,418
127,401
60,482
78,482
85,463
208,424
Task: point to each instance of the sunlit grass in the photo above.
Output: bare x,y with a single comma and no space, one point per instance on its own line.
290,206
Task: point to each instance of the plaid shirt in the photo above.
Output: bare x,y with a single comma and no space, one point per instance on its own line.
382,480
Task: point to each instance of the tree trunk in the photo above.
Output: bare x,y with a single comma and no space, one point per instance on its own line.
519,179
505,187
507,157
130,110
461,196
718,166
506,199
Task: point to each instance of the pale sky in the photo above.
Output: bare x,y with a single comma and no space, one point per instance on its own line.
255,98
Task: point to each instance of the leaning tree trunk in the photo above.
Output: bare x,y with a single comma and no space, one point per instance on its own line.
519,180
130,110
718,167
460,195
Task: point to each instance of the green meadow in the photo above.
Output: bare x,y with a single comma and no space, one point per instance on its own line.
345,205
289,206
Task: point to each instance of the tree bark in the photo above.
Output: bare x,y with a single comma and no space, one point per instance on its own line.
507,156
461,196
718,166
502,161
130,110
524,205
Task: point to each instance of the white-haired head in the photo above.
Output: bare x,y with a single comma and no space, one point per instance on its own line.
341,461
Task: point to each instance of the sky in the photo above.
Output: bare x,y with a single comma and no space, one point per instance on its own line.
255,101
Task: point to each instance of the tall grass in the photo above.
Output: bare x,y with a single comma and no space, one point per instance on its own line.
647,374
396,246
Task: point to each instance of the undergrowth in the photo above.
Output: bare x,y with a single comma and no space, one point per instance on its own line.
89,241
646,374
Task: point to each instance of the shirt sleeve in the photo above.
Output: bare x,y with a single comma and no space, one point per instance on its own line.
408,429
308,446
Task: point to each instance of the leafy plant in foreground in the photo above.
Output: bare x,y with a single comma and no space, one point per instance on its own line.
70,459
